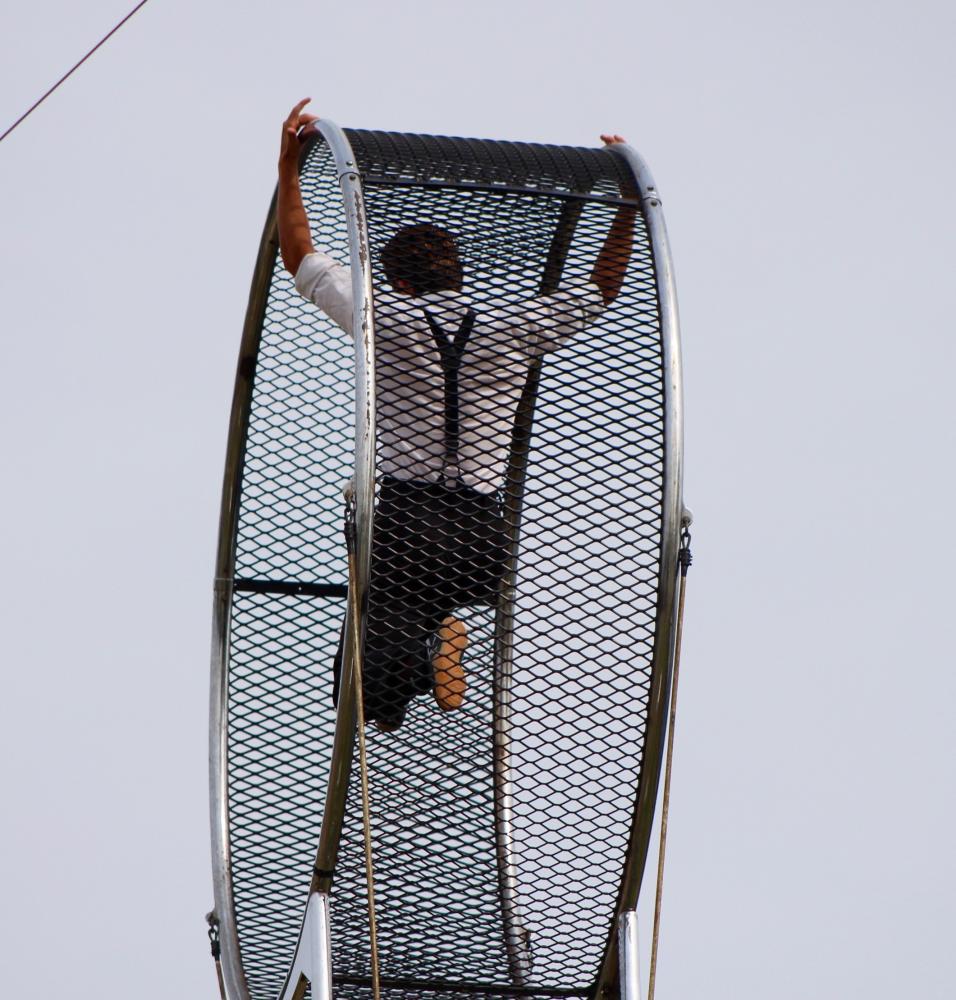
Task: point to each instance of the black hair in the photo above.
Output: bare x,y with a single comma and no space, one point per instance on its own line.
425,256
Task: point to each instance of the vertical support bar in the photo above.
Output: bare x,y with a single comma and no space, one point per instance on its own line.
629,955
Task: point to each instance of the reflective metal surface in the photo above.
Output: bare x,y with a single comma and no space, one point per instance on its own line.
222,601
671,514
364,463
630,965
222,880
312,963
363,492
517,940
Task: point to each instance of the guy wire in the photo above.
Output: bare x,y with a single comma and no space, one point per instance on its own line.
29,111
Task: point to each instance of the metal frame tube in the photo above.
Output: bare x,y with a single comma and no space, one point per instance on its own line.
222,610
629,951
364,491
662,662
312,962
517,942
354,208
233,974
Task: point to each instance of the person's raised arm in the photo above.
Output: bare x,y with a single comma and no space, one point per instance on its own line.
612,261
295,239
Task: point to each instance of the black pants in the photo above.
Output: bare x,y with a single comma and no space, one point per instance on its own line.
435,548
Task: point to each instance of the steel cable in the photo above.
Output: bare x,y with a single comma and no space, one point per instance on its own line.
363,761
70,72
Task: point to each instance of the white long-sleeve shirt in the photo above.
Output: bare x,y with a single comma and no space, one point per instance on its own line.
411,389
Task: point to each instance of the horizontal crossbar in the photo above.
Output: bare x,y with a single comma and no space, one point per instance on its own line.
377,179
441,986
290,587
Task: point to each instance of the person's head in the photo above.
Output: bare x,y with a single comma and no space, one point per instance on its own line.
422,258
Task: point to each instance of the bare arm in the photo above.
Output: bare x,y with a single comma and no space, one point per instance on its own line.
612,261
295,239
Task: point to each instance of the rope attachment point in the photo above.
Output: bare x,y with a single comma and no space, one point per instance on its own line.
215,948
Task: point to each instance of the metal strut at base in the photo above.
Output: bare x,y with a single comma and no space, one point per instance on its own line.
684,561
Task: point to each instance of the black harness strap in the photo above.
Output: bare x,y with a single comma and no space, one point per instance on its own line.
450,351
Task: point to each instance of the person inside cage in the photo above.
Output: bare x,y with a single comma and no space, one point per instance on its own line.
450,371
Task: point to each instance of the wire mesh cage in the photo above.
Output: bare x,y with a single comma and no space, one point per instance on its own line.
516,618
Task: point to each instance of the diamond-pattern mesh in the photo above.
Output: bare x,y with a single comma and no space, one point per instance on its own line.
500,826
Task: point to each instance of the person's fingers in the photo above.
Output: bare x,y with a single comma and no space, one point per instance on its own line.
292,121
610,140
290,127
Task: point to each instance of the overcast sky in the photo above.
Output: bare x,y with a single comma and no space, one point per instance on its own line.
805,156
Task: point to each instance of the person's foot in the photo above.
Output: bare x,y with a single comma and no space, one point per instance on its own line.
450,684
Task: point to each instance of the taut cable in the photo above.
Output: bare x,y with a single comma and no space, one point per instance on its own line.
29,111
363,760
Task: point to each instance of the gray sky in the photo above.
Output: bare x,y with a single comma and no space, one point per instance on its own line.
805,155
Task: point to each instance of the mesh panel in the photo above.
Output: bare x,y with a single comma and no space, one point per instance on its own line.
280,720
470,856
524,527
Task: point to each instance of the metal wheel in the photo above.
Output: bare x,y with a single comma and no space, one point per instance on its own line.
510,834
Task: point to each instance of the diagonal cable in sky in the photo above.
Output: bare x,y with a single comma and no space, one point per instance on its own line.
70,72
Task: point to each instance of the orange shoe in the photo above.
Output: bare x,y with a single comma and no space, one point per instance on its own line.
450,681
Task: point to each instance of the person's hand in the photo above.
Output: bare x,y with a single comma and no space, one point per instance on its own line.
628,189
295,129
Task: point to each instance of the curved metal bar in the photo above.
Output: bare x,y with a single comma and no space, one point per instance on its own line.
517,940
222,606
364,489
671,512
353,204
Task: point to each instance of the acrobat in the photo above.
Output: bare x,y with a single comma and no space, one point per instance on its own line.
451,369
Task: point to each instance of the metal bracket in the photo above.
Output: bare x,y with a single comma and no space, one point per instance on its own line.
629,956
312,963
